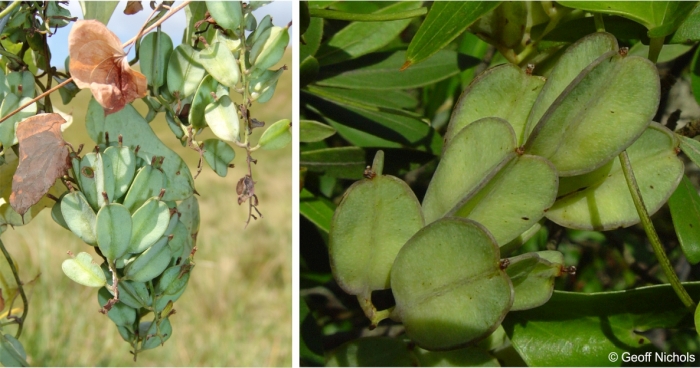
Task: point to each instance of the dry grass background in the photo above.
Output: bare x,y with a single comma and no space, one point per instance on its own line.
237,307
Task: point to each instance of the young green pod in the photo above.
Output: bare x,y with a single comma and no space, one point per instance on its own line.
84,271
220,63
113,230
150,263
277,135
147,184
152,337
121,314
79,216
228,14
150,222
122,161
268,51
222,118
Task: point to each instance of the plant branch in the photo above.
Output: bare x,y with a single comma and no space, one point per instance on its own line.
9,9
354,17
655,45
599,24
19,287
651,232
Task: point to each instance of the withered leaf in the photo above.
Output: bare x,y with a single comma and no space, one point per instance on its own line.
42,159
98,62
133,7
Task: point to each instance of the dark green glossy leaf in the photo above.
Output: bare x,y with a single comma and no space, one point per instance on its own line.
660,17
361,38
575,29
695,75
304,18
689,31
312,39
344,163
308,70
574,329
313,131
391,99
445,21
381,71
310,337
367,128
685,211
318,210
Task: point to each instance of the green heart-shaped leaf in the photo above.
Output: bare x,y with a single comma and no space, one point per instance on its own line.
601,200
448,286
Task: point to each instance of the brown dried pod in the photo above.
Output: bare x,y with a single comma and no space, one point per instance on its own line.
98,62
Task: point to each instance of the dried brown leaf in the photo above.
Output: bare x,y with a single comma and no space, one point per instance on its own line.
98,62
133,7
42,159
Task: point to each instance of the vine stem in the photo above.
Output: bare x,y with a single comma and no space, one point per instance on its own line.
354,17
7,10
651,232
655,46
19,286
127,43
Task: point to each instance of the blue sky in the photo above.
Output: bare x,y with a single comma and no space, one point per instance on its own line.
126,26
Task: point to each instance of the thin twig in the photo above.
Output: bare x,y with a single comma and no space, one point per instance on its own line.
19,287
651,232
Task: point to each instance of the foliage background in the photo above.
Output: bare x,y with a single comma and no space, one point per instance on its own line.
236,310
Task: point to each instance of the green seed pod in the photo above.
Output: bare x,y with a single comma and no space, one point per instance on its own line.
150,263
155,337
79,216
220,63
86,179
121,314
122,161
84,271
277,135
150,222
56,213
147,184
222,118
134,294
104,180
263,87
113,230
267,52
228,14
126,333
532,275
262,30
461,295
181,242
